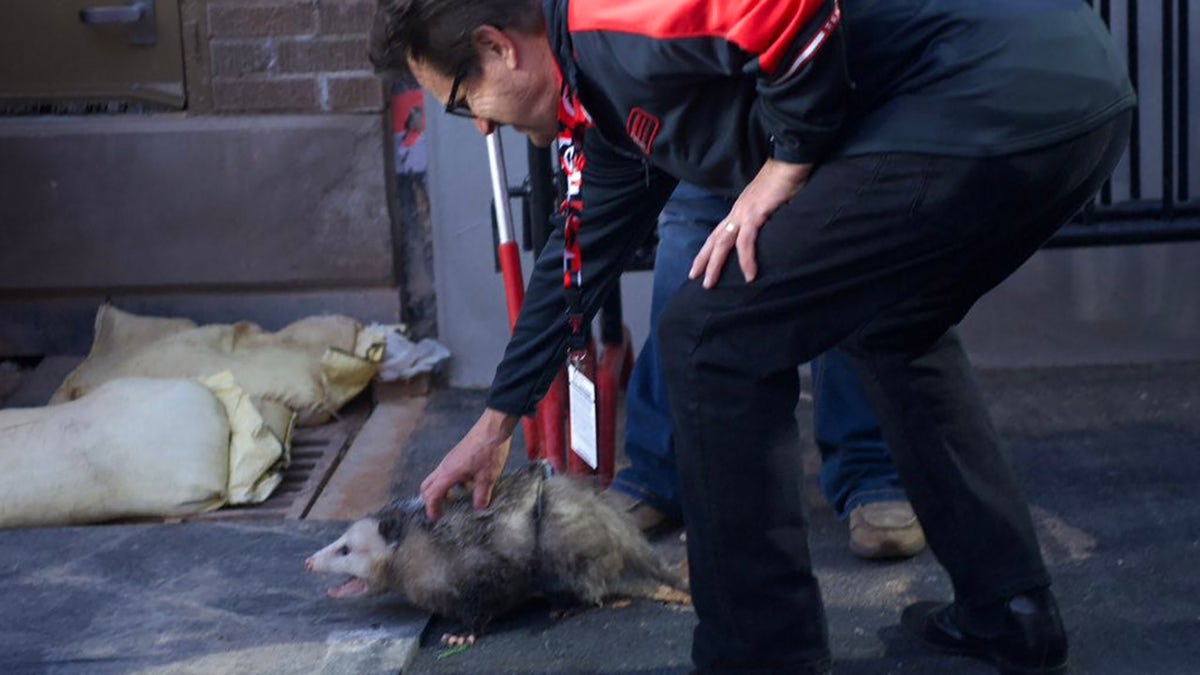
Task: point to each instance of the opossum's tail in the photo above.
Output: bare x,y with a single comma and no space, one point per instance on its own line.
646,575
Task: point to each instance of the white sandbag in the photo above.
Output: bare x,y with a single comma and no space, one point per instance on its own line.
133,447
313,366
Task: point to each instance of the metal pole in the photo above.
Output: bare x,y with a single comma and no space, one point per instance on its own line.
1135,141
510,268
509,254
1168,110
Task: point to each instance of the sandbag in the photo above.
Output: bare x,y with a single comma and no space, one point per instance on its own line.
133,447
260,441
313,366
138,447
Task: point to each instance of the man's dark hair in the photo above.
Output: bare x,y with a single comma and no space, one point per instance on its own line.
438,32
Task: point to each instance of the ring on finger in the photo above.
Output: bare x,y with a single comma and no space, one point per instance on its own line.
731,226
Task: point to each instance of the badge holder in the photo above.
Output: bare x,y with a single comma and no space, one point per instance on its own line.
581,405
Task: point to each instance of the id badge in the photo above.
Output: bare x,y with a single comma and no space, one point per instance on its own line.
582,397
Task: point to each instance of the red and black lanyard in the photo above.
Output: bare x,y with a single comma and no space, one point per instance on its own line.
573,122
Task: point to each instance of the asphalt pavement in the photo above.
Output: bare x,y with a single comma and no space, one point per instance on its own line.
1109,458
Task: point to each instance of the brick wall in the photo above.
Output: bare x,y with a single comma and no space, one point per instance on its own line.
280,56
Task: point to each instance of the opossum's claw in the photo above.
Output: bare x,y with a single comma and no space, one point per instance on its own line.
353,586
457,640
561,613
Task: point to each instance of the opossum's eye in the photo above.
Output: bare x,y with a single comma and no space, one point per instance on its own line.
344,550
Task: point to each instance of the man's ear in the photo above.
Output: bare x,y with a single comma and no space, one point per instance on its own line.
491,42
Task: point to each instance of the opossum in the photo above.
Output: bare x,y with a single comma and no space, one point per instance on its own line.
542,535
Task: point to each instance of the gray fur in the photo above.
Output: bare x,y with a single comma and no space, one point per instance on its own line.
475,565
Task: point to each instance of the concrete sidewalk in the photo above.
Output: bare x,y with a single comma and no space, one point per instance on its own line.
1108,456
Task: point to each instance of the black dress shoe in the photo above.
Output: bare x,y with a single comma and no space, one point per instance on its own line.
1022,636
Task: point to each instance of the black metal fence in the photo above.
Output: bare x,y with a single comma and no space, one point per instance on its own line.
1150,197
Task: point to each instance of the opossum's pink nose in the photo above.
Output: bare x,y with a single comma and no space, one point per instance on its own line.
309,564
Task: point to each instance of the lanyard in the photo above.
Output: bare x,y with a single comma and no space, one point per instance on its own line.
573,121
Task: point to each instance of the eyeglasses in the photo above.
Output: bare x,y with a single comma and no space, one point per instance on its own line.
454,105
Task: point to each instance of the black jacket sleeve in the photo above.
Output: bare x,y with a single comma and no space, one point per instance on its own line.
803,103
622,196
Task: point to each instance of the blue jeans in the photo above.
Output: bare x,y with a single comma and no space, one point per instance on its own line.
855,465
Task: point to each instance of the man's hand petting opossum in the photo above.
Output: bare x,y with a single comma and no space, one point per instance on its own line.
542,536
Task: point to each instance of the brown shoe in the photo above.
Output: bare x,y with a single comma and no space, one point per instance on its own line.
885,530
647,518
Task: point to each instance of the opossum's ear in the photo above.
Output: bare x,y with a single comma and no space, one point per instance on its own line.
391,529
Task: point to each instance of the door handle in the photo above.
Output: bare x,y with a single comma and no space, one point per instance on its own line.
131,14
137,14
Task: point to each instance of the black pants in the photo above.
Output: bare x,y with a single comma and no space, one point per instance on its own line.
881,255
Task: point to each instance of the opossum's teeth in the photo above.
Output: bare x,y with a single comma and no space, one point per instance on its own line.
353,586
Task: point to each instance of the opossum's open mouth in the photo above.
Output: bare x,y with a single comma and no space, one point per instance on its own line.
352,587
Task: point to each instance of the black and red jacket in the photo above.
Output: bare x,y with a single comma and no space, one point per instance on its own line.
706,92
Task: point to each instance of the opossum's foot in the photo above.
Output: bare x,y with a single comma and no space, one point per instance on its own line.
458,640
566,604
565,613
353,586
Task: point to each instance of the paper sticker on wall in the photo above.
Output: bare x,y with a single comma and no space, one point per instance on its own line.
408,128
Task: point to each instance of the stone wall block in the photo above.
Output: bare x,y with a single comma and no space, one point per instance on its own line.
355,93
241,20
235,58
267,94
337,17
323,55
